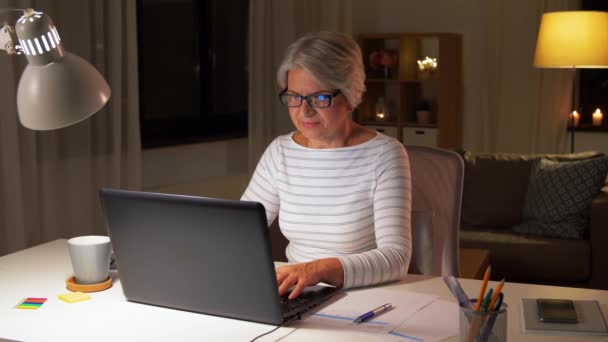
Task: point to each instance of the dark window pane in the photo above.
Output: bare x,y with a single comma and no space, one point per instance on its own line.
192,70
593,82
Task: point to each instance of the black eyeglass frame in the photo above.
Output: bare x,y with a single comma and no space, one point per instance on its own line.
308,97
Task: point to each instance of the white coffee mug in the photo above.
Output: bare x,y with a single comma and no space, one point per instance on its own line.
90,257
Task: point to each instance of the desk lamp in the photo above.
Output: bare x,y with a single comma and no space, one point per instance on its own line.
57,88
572,39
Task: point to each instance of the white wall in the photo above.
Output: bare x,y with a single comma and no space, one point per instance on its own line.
590,141
171,169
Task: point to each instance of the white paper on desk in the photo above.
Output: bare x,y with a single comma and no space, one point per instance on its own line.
341,313
435,322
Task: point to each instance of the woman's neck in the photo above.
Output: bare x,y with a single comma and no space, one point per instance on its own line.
351,135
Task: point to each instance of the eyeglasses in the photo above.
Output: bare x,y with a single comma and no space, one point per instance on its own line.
314,100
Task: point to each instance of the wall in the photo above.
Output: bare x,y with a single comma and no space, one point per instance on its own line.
590,141
192,169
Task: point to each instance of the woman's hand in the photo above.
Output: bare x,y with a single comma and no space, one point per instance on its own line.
329,271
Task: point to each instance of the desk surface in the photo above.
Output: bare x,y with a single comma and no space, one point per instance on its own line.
41,272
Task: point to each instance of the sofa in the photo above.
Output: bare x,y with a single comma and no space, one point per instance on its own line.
495,192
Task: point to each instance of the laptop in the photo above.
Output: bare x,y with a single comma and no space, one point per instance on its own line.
198,254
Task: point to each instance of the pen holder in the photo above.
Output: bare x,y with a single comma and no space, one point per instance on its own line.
481,326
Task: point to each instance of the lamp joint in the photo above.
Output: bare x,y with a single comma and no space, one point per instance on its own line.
8,39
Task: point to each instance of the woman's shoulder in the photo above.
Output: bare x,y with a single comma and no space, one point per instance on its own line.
391,148
279,144
389,142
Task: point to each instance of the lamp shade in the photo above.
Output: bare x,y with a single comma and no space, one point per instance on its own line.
60,94
57,88
572,39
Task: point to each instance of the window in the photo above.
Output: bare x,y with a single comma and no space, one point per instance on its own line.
192,70
593,88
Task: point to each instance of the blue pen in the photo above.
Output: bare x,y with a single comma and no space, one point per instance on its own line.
490,323
454,286
375,312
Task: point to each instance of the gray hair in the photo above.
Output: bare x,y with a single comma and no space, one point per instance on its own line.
334,60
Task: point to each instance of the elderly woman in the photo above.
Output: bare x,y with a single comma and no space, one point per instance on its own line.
342,192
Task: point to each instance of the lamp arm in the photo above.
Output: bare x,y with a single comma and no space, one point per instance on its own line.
4,10
8,36
8,39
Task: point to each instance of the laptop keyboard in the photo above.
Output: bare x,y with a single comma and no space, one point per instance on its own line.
288,305
310,297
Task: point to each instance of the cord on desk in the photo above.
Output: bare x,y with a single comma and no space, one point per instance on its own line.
277,327
266,333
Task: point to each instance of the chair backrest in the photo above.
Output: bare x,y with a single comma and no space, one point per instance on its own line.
437,177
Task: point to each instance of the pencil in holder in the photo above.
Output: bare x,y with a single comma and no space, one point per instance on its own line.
483,326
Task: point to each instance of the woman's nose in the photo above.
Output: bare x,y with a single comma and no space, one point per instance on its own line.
306,109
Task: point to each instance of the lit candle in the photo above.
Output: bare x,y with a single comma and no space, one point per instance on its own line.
597,117
576,117
380,111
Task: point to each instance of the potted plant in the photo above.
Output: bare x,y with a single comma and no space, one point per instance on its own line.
423,112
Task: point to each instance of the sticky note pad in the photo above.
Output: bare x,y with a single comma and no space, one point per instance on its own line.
31,303
73,297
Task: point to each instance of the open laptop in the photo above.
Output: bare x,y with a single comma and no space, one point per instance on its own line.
199,254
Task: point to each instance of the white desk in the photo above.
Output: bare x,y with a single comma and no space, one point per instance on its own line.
41,272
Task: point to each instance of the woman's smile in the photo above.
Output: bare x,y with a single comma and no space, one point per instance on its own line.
310,124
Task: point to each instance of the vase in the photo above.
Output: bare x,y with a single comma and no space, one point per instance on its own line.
423,116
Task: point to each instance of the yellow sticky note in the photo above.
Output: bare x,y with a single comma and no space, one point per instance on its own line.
74,297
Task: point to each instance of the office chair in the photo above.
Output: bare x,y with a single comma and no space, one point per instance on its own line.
437,177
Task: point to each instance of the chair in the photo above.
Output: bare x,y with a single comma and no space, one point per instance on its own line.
437,178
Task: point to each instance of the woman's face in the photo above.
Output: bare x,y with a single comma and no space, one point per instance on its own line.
322,127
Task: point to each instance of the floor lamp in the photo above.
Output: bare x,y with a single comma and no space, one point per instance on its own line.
573,40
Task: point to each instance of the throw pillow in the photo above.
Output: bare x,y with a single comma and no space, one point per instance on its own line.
559,197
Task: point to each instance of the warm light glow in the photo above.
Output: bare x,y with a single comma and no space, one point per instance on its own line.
380,115
576,117
427,64
597,117
572,39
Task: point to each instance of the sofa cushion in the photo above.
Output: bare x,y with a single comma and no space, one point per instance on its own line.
529,258
559,197
495,186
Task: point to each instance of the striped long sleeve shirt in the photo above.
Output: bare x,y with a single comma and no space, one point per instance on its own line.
352,203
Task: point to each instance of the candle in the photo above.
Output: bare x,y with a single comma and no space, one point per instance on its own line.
576,116
597,117
380,110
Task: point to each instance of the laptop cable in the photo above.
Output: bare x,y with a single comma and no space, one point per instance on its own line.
277,327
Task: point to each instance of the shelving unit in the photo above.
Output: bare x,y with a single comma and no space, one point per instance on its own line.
403,87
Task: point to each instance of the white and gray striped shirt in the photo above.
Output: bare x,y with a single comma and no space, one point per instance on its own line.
352,203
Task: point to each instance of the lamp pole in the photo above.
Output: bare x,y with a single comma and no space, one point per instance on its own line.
572,127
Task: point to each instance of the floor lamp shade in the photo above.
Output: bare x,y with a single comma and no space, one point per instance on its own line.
572,39
57,88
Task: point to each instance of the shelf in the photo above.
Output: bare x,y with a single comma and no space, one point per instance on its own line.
589,128
402,88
